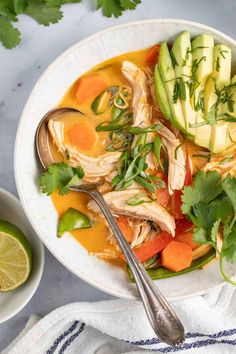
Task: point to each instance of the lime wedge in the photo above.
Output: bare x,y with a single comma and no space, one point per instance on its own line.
15,257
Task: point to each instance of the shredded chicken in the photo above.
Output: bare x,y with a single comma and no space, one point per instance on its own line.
117,201
138,80
177,159
141,108
94,167
224,163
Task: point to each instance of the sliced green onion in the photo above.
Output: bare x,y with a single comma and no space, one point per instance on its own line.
138,130
115,113
107,126
138,199
147,185
157,151
120,103
104,100
125,92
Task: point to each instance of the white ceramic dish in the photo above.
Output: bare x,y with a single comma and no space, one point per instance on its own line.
13,301
46,94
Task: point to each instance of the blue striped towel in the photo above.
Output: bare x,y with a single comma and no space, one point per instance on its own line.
121,326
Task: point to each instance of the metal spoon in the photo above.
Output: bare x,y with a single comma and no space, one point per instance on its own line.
163,319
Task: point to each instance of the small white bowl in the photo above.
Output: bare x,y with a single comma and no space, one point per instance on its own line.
14,301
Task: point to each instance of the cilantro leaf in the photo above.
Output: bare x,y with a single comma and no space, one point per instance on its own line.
9,35
43,13
19,6
215,229
7,9
229,253
110,7
60,176
229,186
201,210
60,2
230,238
129,4
200,235
220,209
207,186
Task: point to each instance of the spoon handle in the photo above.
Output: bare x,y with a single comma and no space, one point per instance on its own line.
163,319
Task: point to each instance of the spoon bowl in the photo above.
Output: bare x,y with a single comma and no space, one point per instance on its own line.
42,134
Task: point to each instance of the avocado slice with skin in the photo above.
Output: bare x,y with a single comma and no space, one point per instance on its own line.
161,95
182,52
168,77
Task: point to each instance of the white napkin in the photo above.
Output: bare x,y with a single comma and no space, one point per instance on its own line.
120,326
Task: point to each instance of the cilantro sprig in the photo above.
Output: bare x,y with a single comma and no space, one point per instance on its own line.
47,12
60,176
211,205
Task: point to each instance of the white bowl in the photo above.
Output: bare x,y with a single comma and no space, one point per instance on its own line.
14,301
46,94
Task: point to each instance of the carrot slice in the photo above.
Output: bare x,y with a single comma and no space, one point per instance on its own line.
152,247
125,227
187,237
89,86
176,256
152,55
82,135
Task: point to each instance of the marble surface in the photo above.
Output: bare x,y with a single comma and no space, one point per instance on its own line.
20,69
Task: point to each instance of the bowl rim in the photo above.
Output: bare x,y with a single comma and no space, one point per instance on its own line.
41,253
43,76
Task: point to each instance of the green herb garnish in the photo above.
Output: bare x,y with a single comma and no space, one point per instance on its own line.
47,12
60,176
211,205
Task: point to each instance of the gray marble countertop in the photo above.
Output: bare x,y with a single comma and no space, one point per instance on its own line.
20,68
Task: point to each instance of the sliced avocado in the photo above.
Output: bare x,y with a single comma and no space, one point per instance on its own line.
168,77
203,136
182,52
220,75
219,78
232,125
202,66
161,95
219,137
